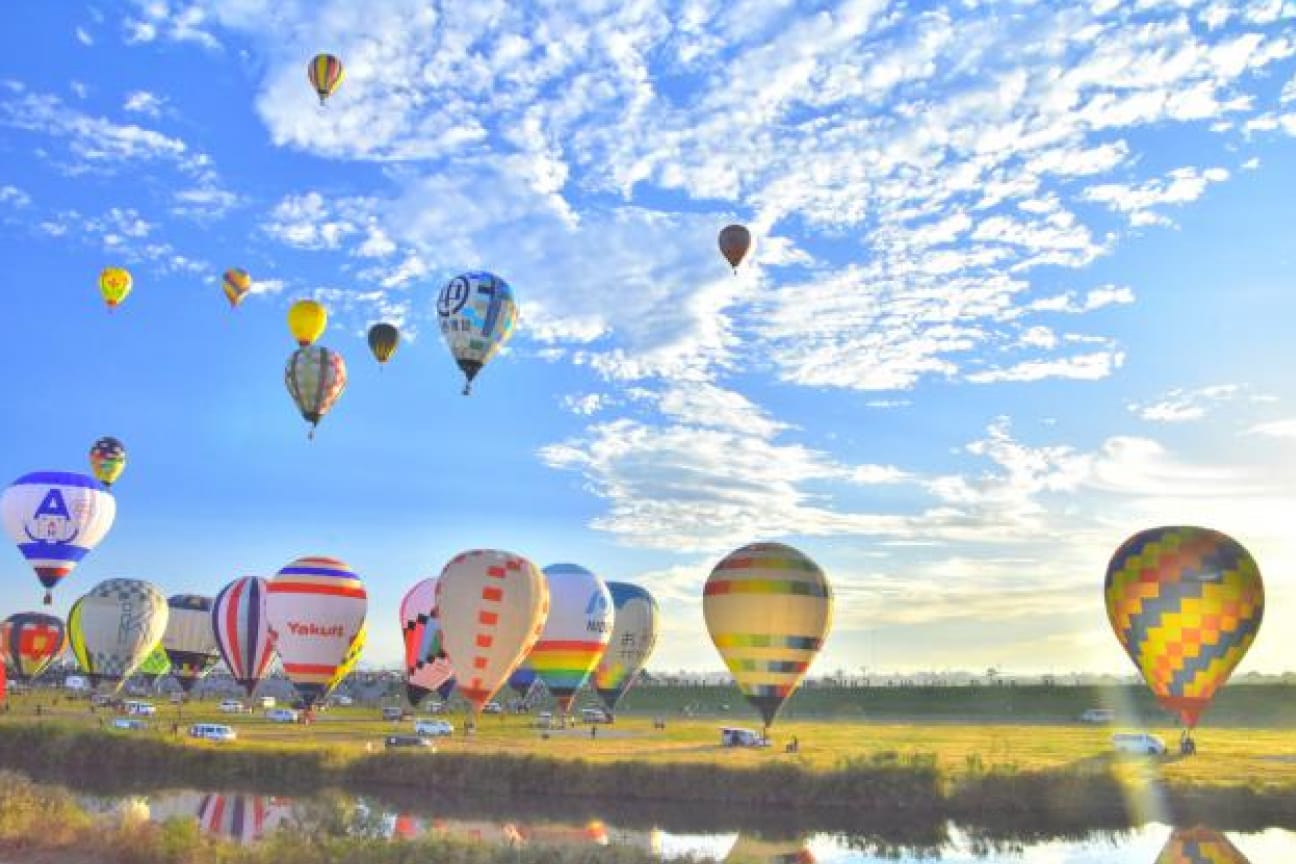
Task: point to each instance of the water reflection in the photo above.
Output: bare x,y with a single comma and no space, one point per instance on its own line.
1196,845
749,849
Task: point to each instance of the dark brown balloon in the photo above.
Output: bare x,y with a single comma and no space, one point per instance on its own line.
735,240
383,339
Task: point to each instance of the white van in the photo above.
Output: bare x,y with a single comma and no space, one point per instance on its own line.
212,732
233,706
1098,716
281,715
1143,743
731,737
76,682
139,709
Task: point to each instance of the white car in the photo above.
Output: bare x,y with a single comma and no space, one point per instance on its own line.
130,724
343,701
595,715
139,709
232,706
281,715
433,728
1142,743
492,708
212,732
1098,715
268,702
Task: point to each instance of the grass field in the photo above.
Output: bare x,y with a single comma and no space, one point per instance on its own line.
1227,756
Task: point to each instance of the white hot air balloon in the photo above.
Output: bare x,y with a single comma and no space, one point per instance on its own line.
115,626
56,518
316,608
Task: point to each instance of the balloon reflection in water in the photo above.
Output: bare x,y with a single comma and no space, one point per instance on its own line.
1199,846
753,850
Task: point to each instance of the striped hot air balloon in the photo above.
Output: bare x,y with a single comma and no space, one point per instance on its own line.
768,609
325,73
634,635
240,818
1186,604
575,634
1199,846
242,631
493,606
316,608
427,668
236,283
31,641
56,518
115,626
315,378
189,640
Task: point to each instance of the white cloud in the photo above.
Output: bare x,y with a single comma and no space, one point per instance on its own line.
83,36
14,197
1085,367
309,222
158,20
1183,405
144,102
1275,428
585,405
203,201
1181,186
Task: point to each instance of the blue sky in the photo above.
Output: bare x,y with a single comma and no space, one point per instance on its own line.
1021,287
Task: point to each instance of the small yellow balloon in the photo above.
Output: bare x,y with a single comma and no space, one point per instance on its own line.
114,285
307,320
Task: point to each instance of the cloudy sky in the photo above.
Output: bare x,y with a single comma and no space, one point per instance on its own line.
1022,286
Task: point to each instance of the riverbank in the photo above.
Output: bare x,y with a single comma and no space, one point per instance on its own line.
903,798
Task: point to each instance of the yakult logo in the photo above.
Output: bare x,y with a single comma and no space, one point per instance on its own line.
332,632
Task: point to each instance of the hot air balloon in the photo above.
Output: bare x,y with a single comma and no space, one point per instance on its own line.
426,666
189,640
315,378
383,339
306,321
56,518
236,283
241,631
477,314
734,242
156,664
492,606
325,73
316,608
1199,846
575,634
114,285
634,634
107,459
241,818
115,626
1186,604
31,641
768,608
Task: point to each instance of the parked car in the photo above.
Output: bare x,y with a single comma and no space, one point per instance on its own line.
212,732
232,706
407,741
731,737
76,682
436,707
545,720
139,709
1143,743
492,708
101,700
393,712
433,728
131,724
268,702
343,700
281,715
1098,716
595,715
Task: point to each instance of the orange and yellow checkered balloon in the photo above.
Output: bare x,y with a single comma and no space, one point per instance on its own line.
1199,846
1186,604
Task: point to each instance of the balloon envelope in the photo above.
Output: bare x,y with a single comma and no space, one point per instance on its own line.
236,283
1199,846
315,378
306,321
189,642
156,664
114,285
242,631
56,518
768,608
477,314
325,73
31,641
522,679
634,635
107,459
734,242
115,626
1186,604
316,608
427,668
575,633
383,340
493,606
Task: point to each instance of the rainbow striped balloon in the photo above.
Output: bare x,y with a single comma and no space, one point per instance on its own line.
768,609
1186,604
575,634
1199,846
316,609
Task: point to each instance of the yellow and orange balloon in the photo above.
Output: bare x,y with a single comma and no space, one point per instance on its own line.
325,73
114,285
236,283
1186,604
306,321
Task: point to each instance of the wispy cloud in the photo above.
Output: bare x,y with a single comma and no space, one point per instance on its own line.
144,102
1183,405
